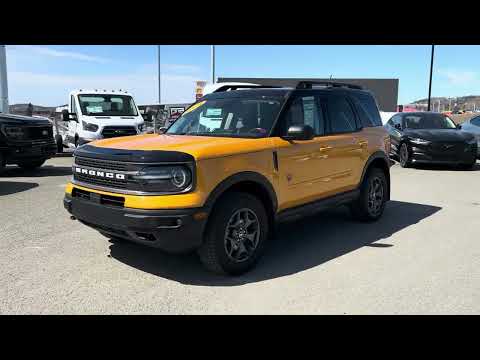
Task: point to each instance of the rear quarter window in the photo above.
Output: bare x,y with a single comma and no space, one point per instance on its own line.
367,110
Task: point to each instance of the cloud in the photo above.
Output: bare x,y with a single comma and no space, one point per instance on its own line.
46,51
52,90
458,77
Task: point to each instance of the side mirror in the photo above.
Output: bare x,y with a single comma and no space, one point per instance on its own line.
398,126
459,126
66,116
300,133
162,130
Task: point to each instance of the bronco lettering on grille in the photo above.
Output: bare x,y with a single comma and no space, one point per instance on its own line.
101,174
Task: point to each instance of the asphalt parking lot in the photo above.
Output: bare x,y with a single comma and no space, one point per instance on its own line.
422,257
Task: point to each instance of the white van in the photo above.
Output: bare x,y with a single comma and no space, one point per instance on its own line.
99,114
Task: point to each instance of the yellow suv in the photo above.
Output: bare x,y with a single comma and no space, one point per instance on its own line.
234,164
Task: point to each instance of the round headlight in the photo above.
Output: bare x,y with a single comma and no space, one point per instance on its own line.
179,177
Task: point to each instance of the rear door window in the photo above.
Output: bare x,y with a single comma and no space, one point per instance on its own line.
340,115
367,110
475,121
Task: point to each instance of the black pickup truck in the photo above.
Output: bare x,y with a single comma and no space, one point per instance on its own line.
25,141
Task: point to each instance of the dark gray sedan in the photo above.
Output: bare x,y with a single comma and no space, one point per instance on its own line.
473,126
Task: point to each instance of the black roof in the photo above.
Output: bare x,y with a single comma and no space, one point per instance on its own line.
277,92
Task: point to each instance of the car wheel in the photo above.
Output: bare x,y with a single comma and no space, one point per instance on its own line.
373,196
2,163
59,141
236,235
31,165
404,156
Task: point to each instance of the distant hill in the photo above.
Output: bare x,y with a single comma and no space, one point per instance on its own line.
470,102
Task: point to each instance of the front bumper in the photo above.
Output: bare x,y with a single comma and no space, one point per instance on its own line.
174,231
31,151
421,154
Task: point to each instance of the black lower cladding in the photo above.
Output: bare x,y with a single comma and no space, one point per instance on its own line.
447,153
174,231
18,152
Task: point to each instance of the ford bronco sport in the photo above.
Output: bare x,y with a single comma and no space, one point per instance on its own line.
233,165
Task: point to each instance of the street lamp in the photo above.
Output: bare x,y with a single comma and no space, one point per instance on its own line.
213,63
430,83
3,81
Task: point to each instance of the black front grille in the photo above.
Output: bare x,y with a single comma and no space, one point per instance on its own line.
100,181
101,164
116,131
448,147
39,132
118,201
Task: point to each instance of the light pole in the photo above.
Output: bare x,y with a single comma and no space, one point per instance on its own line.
213,63
430,83
3,81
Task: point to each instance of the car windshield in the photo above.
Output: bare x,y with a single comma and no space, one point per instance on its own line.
232,117
107,105
428,121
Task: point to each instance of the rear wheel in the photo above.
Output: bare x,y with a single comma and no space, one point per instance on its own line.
404,156
2,162
236,235
32,164
373,195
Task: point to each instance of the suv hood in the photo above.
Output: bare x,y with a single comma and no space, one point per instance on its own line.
200,147
20,120
448,135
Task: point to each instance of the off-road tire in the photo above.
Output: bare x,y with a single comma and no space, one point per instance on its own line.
31,165
404,156
360,208
213,253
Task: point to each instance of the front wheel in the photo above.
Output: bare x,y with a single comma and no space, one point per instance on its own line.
236,235
404,156
373,196
31,165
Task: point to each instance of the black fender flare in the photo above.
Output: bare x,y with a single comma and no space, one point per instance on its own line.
376,156
245,176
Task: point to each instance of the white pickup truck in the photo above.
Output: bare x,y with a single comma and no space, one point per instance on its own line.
99,114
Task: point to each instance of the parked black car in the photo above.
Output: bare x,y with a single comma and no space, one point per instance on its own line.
426,137
25,141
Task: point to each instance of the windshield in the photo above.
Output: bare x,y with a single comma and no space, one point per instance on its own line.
233,117
428,121
107,105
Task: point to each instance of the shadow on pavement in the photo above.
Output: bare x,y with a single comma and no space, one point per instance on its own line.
420,166
13,187
44,171
299,246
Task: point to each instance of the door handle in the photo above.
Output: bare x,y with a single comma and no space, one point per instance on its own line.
325,148
363,143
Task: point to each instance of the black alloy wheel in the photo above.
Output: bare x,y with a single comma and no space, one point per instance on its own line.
404,156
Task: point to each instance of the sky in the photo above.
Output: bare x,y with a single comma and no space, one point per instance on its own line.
45,74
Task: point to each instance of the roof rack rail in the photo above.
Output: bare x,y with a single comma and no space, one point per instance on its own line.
235,87
309,84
